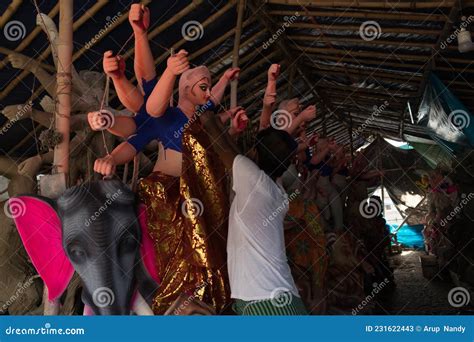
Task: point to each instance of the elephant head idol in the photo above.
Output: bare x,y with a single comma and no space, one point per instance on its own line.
97,230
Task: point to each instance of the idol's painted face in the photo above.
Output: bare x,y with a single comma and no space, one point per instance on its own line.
201,92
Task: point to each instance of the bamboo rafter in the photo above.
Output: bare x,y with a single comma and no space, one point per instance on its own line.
366,4
368,15
86,16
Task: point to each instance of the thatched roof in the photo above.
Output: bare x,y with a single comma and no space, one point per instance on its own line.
327,58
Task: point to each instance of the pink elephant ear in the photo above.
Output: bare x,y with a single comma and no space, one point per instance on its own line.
147,250
40,230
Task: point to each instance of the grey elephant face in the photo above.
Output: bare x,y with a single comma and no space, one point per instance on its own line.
101,237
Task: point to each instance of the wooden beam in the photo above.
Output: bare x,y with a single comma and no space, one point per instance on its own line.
360,42
391,5
9,11
283,45
45,54
211,19
364,62
381,15
219,40
64,85
399,79
356,28
380,90
28,39
366,71
369,54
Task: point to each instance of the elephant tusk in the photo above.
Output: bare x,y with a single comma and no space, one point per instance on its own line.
141,307
88,311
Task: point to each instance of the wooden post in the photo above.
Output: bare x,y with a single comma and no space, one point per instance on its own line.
351,139
235,54
64,79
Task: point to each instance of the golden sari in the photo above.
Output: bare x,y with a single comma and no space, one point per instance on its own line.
187,219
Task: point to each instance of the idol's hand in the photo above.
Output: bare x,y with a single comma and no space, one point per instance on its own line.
114,66
139,18
105,166
178,63
273,72
232,74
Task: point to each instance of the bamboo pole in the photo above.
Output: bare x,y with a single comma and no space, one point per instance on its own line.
11,9
380,90
254,66
399,79
218,40
235,53
242,45
359,41
370,72
380,15
64,85
211,19
399,56
284,46
366,4
32,35
366,62
45,54
356,28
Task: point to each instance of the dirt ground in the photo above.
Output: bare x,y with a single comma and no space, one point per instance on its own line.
413,294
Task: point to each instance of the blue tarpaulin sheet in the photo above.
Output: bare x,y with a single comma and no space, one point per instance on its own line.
409,236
